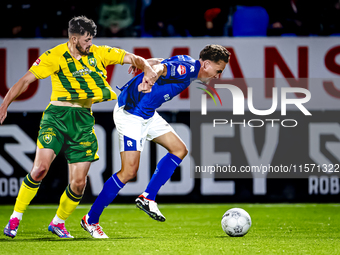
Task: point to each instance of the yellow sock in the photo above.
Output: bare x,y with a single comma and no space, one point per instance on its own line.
68,203
27,192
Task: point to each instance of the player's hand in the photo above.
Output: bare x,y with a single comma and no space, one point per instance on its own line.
132,70
150,77
3,113
144,87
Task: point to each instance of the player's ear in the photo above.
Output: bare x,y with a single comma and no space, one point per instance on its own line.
206,64
74,39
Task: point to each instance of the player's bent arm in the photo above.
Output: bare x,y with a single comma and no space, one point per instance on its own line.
14,92
136,61
160,69
154,61
151,61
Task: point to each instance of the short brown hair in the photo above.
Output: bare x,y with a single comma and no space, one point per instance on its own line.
81,25
215,53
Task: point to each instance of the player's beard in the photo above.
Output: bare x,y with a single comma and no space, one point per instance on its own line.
81,51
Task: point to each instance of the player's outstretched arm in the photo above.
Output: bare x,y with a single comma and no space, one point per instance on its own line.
150,76
14,92
152,61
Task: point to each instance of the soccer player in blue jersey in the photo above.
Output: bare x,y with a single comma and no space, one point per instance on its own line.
137,120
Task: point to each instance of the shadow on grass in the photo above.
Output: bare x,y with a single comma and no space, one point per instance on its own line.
53,239
226,236
16,240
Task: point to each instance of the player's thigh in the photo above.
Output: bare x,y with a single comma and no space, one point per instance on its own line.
49,143
173,143
42,162
162,133
130,164
130,160
131,129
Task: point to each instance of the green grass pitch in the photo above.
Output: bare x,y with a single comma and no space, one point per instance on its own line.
189,229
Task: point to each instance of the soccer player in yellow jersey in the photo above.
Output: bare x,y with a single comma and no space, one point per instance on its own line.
77,69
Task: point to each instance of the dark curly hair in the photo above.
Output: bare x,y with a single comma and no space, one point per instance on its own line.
215,53
82,25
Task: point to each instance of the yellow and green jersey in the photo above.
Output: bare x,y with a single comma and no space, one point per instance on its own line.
74,79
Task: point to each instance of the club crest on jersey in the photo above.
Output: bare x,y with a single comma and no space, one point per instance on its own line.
37,62
181,70
92,62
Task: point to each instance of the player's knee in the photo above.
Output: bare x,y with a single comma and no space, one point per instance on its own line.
39,171
180,151
78,185
127,174
185,151
131,176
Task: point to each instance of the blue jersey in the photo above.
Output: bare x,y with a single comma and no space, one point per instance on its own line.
181,71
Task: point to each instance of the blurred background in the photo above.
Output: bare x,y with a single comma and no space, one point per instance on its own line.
154,18
282,43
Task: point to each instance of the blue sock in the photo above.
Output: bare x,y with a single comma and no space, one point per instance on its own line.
110,190
164,170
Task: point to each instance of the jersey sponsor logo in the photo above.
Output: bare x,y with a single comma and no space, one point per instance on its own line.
181,70
37,62
81,72
49,131
86,144
173,70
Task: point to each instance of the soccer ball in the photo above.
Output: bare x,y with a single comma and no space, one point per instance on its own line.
236,222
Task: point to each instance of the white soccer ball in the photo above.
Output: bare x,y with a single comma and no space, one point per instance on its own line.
236,222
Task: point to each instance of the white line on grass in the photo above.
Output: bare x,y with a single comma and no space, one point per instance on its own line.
179,206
